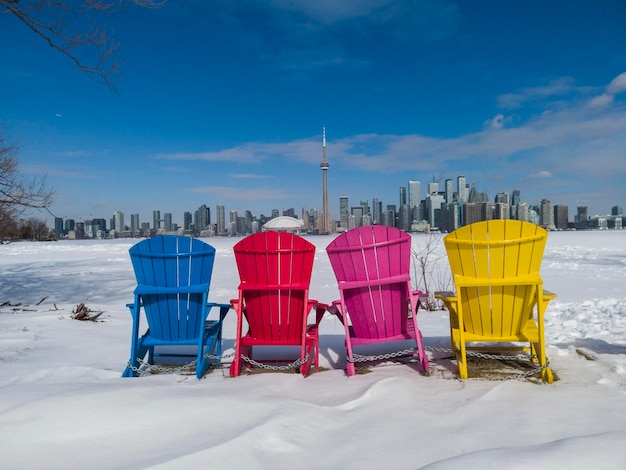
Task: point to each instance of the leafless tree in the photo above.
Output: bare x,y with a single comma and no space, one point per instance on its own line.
430,275
18,192
71,28
33,229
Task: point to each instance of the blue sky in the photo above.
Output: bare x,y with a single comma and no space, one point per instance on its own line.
224,102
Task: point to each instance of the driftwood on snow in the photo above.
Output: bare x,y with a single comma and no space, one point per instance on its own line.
84,313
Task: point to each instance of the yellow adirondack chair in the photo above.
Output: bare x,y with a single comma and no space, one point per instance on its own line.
499,294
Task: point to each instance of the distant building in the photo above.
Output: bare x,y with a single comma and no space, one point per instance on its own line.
221,219
501,210
357,213
414,193
344,211
434,202
284,224
118,222
402,195
561,217
477,212
450,217
581,220
156,220
547,214
134,225
521,211
377,211
59,232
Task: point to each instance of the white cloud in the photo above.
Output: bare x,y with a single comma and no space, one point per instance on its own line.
617,85
561,87
242,154
495,123
601,101
543,174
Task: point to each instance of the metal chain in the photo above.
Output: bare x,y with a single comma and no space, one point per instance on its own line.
293,365
500,357
186,368
151,368
364,358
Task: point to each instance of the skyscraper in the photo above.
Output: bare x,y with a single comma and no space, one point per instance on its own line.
325,225
433,188
118,217
402,196
221,219
187,221
561,216
462,190
515,200
58,227
377,211
448,191
357,213
581,220
344,211
156,220
167,221
547,214
414,188
134,224
202,218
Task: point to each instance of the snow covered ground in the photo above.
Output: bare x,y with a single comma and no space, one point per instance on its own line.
63,403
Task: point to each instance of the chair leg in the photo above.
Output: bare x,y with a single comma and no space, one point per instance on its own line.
423,358
235,367
138,351
461,359
311,352
458,346
540,352
350,368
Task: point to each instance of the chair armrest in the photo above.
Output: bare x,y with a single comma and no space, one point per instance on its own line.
335,309
224,308
420,294
320,310
445,295
548,295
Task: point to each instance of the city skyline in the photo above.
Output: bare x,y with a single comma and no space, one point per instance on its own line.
221,216
226,101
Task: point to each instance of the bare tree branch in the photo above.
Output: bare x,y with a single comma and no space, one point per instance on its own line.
18,192
70,28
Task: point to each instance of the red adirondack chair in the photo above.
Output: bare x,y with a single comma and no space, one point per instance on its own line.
275,272
377,303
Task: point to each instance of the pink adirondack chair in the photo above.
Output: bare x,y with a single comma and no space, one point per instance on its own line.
275,272
377,303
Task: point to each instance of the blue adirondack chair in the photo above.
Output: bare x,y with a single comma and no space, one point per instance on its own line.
173,277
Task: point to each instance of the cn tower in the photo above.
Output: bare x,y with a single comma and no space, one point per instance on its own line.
325,226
